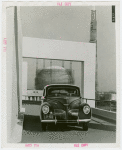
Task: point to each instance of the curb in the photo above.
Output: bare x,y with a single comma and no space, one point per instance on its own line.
102,127
104,115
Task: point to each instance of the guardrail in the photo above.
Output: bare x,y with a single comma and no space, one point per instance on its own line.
109,105
31,98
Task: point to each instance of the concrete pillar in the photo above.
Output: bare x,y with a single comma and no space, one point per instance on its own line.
13,74
24,78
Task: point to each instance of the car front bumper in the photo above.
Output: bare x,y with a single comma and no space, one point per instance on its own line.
67,121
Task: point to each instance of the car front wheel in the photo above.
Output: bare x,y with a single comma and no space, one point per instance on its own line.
43,126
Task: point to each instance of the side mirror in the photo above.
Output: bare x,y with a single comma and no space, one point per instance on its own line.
82,99
42,99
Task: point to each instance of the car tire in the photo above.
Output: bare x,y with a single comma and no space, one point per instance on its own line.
43,126
85,126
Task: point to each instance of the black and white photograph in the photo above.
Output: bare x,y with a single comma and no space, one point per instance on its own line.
60,74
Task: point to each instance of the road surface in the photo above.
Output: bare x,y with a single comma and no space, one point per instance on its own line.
31,134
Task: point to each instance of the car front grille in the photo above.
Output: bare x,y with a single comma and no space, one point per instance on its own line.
60,114
68,114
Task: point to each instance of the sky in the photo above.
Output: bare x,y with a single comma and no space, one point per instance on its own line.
73,24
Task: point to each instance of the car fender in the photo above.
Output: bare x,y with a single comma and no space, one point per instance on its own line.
81,113
44,103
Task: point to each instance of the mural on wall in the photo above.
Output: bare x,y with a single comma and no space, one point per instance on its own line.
41,72
53,75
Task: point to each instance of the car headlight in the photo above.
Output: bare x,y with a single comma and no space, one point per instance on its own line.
45,109
86,109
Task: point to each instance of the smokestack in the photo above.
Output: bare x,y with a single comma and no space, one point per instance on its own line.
93,39
93,28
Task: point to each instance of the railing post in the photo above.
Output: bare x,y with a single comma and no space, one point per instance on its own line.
86,100
110,105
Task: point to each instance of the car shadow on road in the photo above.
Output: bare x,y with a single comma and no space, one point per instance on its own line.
32,123
63,128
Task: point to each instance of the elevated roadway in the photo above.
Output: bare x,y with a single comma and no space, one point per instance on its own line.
99,131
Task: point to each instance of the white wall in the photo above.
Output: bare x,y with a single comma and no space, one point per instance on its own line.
55,49
73,24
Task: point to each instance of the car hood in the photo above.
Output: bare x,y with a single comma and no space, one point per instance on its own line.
60,103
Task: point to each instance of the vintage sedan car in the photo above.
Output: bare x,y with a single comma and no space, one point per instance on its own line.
62,103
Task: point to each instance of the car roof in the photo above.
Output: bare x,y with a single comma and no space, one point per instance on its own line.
69,85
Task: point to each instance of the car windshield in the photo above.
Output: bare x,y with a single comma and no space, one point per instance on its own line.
63,91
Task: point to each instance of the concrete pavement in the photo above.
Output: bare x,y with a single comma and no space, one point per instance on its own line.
99,131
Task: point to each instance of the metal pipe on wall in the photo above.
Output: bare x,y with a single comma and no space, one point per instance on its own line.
17,57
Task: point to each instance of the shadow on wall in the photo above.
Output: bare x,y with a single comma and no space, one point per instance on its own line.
53,75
